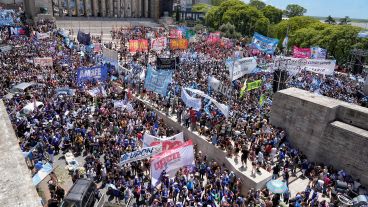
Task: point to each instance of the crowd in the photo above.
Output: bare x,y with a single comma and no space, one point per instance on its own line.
90,126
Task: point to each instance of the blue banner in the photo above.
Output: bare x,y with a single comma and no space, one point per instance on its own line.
17,31
264,44
191,102
84,38
6,18
158,81
94,73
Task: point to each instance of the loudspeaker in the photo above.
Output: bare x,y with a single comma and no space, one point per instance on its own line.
279,80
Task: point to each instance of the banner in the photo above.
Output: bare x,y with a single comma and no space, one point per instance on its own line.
98,91
6,18
138,45
140,154
218,86
84,38
158,81
97,47
318,53
42,173
301,52
41,36
94,73
167,143
171,161
44,61
264,44
296,65
181,44
176,34
121,104
214,37
5,48
17,31
242,66
158,44
110,56
166,63
254,85
189,101
189,34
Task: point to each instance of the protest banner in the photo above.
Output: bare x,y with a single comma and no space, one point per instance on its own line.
110,56
43,61
318,53
42,173
123,105
180,44
167,142
191,102
189,34
166,63
214,37
84,38
176,34
5,48
159,43
140,45
241,67
172,160
264,44
254,85
297,65
140,154
93,73
6,18
42,36
301,52
97,91
158,81
218,86
18,31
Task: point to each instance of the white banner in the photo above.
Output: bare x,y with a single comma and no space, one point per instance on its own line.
140,154
121,104
167,142
218,86
97,91
242,66
110,56
158,43
171,161
41,36
44,61
189,101
297,65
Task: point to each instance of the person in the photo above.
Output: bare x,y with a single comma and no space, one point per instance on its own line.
275,172
244,156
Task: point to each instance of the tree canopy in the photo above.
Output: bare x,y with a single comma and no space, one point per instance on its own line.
258,4
201,8
330,20
293,10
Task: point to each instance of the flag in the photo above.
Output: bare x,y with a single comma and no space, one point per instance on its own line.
285,42
261,99
242,90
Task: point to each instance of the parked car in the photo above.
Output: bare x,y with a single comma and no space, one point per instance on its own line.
81,194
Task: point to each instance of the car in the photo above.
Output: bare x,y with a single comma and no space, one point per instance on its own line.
81,194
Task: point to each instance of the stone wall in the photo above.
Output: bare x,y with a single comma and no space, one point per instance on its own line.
325,129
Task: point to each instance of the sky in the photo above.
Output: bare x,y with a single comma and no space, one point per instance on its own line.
335,8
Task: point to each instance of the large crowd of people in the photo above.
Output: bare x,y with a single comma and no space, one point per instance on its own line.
90,126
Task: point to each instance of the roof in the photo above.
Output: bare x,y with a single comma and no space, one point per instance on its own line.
78,189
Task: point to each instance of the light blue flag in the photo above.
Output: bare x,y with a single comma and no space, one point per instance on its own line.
158,81
42,173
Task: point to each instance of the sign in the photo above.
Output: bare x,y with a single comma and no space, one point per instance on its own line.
121,104
181,44
84,38
6,17
41,36
242,66
176,34
189,101
44,61
110,56
5,48
158,44
214,37
167,142
301,52
158,81
318,53
140,154
264,44
17,31
171,161
94,73
166,63
297,65
42,173
218,86
138,45
254,85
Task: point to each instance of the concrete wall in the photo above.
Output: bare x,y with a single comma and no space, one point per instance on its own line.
212,152
325,129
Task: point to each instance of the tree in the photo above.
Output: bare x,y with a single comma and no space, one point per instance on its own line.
293,10
273,14
262,25
201,8
217,2
228,30
345,20
330,20
258,4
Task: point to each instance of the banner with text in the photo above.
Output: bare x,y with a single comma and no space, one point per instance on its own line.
138,45
159,44
297,65
17,31
167,142
42,36
181,44
214,37
171,161
301,52
141,154
243,66
94,73
176,34
166,63
158,81
218,86
254,85
189,101
318,53
264,44
43,61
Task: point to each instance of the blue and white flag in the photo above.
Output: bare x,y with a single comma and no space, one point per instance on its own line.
6,18
318,53
141,154
285,42
42,173
189,101
264,44
94,73
158,81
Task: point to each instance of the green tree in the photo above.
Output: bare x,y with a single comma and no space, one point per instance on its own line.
228,30
262,25
216,2
201,8
293,10
345,20
258,4
273,14
330,20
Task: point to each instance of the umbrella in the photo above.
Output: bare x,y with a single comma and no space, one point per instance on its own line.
277,186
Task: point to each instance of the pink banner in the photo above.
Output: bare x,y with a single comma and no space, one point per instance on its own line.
214,37
301,52
176,34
